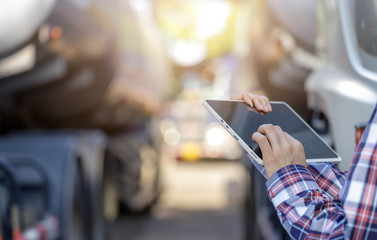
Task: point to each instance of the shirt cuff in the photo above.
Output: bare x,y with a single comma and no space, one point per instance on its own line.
289,181
260,168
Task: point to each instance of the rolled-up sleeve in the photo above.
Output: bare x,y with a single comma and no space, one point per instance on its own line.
304,211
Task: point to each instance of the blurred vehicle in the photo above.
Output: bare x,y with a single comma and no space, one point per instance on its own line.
141,86
48,63
283,49
49,76
65,89
344,87
192,135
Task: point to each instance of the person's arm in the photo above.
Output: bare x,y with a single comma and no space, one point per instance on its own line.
304,210
308,213
329,178
306,198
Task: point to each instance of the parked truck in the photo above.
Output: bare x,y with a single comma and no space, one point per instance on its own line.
344,87
71,145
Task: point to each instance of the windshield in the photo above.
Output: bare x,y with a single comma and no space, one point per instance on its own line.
366,25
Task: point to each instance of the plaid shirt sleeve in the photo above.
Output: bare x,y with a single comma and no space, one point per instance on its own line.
328,177
359,196
313,204
304,210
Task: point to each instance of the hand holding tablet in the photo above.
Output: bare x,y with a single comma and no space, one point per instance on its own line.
242,121
260,102
280,149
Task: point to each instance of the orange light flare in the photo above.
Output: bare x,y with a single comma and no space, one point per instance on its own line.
56,33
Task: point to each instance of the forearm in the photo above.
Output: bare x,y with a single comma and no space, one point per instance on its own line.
303,209
328,177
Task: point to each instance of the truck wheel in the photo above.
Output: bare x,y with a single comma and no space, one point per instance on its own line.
137,171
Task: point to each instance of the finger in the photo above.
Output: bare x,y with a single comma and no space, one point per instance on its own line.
289,137
271,134
249,101
293,140
258,104
248,98
237,96
261,102
267,105
285,140
263,143
280,134
243,97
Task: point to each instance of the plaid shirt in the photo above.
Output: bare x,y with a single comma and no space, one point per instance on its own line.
321,202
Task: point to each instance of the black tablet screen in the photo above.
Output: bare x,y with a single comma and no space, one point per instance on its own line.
245,120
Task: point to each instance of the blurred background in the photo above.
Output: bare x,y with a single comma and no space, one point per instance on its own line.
102,130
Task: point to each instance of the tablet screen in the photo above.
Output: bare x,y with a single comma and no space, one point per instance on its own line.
245,120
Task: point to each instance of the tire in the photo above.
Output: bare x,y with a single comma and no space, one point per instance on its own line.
137,170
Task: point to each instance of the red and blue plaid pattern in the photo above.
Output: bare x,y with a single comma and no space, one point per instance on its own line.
321,202
359,195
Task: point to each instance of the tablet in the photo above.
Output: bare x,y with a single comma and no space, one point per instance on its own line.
241,121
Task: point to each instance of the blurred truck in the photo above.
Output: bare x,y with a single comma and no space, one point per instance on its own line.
71,143
53,182
283,49
344,87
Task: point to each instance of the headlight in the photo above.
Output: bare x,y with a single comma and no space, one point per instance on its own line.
215,136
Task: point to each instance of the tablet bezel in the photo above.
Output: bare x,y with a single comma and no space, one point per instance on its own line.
248,149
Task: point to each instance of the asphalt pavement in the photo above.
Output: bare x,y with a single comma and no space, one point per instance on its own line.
201,201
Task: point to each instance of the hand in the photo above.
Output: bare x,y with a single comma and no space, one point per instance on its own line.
279,149
258,101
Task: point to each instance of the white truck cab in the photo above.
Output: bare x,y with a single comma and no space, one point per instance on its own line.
20,21
344,86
